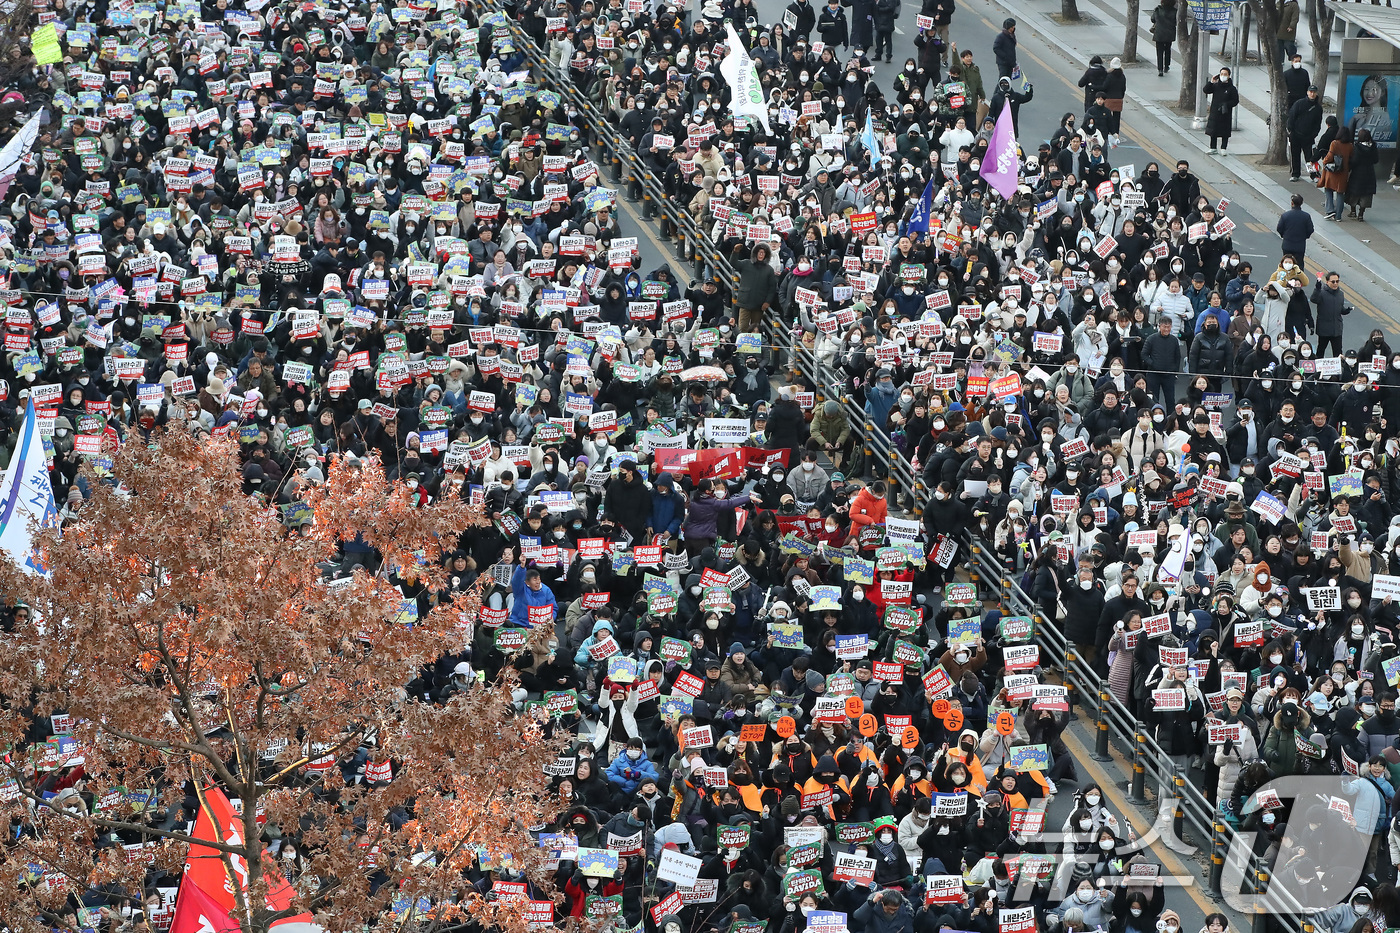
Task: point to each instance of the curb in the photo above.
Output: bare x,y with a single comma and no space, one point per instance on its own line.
1383,272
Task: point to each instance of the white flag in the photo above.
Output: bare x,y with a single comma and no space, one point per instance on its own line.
738,69
25,495
15,150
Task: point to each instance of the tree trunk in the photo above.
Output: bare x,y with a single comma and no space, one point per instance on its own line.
1130,32
1266,16
1320,23
1069,11
1186,42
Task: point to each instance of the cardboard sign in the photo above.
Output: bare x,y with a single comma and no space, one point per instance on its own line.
1170,700
943,889
852,867
677,867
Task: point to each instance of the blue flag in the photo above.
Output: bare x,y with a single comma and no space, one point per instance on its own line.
867,138
918,220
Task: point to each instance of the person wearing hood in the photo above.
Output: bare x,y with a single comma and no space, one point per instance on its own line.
630,769
827,776
629,502
667,506
808,480
757,289
831,430
1281,745
1341,918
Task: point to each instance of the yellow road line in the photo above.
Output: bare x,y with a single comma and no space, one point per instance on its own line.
1113,789
1160,155
649,231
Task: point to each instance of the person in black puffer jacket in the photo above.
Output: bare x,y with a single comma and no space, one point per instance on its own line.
1212,353
629,501
1083,606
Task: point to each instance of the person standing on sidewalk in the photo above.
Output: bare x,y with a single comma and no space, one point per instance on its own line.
1336,166
1296,79
1304,123
1361,180
1220,119
1288,30
1004,48
1115,88
1295,228
1164,34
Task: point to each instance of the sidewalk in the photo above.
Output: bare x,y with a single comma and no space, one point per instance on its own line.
1374,245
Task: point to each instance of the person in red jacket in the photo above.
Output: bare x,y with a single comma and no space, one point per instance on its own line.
868,507
581,887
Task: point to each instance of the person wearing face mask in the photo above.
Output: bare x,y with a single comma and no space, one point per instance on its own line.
808,481
1176,707
1281,745
630,769
1224,98
1072,375
1094,904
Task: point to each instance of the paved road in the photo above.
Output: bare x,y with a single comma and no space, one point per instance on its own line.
974,27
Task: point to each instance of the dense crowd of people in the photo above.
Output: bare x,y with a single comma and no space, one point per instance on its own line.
338,231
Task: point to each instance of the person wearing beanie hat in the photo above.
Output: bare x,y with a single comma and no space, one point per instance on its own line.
739,673
831,431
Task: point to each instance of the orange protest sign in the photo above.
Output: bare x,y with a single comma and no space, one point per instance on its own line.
754,732
1006,722
909,738
954,720
785,727
941,707
868,725
854,707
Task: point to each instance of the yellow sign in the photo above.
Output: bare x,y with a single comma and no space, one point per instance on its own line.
44,42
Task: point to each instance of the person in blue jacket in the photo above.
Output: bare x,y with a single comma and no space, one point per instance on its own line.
630,769
530,592
602,630
667,506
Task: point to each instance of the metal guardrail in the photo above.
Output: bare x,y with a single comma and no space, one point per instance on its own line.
611,148
1191,811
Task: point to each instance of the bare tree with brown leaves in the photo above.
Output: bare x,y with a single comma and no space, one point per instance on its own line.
194,644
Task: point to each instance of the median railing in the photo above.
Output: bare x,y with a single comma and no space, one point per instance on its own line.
1192,813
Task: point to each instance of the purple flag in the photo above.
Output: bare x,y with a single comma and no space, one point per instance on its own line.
1000,166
